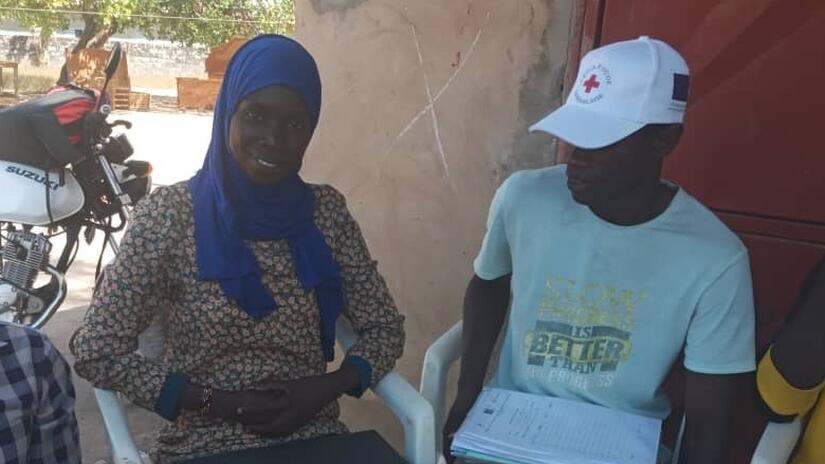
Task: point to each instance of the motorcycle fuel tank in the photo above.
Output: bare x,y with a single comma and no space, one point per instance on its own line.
23,194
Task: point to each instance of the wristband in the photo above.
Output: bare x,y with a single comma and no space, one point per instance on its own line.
206,401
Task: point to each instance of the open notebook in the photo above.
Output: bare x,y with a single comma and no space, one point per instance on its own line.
519,428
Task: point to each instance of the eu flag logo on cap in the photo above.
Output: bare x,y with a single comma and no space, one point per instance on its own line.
681,84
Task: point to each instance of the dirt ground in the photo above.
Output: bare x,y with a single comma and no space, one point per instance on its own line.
175,144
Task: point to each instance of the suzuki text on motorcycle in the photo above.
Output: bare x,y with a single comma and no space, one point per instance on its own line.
61,172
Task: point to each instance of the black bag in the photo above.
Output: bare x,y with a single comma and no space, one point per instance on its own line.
46,132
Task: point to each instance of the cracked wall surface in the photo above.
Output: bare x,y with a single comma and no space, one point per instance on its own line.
426,109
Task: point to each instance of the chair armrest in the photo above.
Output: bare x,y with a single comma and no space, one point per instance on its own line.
124,450
440,356
344,333
778,442
414,412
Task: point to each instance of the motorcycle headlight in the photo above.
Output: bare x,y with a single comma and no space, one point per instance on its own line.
119,149
137,188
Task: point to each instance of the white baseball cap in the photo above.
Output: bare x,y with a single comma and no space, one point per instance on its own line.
621,88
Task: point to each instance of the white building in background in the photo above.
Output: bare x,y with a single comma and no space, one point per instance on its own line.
74,30
158,61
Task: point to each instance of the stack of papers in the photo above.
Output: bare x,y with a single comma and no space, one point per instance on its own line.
519,428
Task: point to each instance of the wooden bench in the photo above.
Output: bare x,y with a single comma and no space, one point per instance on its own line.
140,101
200,94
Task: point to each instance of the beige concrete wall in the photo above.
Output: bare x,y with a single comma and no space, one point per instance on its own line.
426,109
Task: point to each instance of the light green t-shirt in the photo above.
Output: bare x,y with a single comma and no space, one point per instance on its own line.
601,312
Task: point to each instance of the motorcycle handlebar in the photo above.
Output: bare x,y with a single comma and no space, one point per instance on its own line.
121,122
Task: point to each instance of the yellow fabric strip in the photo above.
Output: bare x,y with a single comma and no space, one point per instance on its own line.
782,397
812,449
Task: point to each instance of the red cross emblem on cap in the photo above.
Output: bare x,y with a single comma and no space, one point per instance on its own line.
591,83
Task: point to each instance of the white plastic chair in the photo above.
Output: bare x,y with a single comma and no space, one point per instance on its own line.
414,412
439,358
437,362
778,442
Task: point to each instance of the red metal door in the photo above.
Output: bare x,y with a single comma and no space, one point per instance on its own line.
753,148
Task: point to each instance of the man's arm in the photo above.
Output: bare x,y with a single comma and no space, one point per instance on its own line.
55,437
799,350
485,306
719,358
708,412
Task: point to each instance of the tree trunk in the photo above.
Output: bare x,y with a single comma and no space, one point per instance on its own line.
102,36
94,33
91,26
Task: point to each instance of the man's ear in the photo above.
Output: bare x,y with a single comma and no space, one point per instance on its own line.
667,139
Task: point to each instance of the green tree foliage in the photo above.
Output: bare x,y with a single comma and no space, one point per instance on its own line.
208,22
221,19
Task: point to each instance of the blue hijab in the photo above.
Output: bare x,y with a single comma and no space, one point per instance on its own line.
230,209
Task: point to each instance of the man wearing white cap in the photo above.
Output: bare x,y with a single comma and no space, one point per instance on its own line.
613,272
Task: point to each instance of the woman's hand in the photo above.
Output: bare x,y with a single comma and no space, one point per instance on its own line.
249,407
304,398
246,406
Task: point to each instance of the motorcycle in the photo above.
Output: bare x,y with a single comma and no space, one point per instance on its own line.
62,171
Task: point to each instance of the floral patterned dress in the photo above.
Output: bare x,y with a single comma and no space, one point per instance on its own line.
209,339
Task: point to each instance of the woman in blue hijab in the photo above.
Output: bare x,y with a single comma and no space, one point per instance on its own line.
251,267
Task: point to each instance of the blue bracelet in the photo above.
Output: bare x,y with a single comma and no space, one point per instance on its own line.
364,375
168,402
